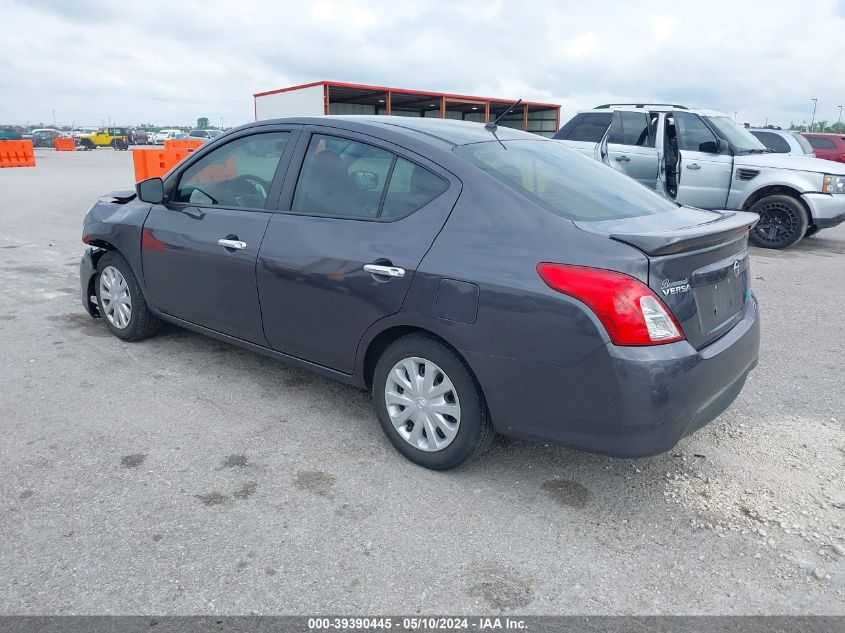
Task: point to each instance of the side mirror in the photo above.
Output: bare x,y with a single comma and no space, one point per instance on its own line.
151,190
713,147
721,145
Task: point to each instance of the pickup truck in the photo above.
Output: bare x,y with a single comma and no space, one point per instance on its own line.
704,159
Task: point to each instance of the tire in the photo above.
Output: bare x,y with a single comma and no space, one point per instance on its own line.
470,423
812,230
783,222
141,323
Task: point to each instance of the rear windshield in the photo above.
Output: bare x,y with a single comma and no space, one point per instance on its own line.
804,143
563,181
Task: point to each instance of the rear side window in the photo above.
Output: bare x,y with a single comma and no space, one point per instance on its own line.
773,141
563,181
236,175
346,178
693,134
820,142
587,126
631,128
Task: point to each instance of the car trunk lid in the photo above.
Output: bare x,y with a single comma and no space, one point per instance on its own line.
698,264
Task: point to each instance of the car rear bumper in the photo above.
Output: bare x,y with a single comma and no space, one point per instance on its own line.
826,210
623,401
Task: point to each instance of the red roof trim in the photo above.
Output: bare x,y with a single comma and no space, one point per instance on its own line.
424,93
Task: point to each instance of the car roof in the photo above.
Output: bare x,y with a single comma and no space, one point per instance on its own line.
434,131
828,134
655,107
772,130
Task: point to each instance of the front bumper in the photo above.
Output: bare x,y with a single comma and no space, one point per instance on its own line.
826,210
623,401
87,275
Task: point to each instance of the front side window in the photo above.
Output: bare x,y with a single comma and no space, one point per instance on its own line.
587,126
346,178
563,181
773,141
236,175
693,134
820,142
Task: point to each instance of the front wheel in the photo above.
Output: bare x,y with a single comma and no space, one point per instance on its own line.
429,404
783,221
121,301
812,230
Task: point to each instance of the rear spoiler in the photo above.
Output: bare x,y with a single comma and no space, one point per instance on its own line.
731,225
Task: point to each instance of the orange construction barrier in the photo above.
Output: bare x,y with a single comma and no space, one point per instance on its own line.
152,163
64,144
183,143
16,154
217,172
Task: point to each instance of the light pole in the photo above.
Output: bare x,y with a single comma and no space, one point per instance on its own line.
813,120
54,117
840,116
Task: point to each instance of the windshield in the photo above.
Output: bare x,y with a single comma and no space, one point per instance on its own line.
213,133
563,181
804,143
741,140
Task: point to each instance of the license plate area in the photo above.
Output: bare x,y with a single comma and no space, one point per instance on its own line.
720,293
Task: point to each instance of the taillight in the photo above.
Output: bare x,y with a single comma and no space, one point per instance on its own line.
630,312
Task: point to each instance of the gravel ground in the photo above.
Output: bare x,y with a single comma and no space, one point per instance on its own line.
181,475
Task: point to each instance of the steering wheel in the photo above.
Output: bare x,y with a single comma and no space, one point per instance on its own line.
258,186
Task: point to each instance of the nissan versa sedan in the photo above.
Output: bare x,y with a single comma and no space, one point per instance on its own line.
473,278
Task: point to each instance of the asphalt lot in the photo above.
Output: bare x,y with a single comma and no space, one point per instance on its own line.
181,475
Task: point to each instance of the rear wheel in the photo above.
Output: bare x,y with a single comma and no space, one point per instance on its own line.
121,301
429,404
783,221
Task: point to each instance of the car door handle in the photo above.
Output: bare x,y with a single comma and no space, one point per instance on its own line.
623,159
386,271
693,166
236,244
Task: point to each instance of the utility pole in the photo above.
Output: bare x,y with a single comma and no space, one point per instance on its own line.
813,120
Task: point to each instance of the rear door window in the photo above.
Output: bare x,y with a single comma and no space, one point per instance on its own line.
631,128
820,142
587,126
346,178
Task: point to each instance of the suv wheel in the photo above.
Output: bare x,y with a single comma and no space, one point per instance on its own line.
429,404
783,221
121,301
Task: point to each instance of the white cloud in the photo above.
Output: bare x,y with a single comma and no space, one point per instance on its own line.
169,63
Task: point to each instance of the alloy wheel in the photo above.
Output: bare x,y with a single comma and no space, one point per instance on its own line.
777,223
115,298
422,404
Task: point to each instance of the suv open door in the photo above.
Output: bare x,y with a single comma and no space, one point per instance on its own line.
628,146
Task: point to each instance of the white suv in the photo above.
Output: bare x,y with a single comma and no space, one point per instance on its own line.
704,159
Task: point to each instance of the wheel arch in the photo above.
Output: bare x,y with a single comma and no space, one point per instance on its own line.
377,342
776,190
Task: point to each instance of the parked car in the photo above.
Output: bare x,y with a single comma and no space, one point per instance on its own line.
206,135
9,133
704,159
827,146
471,279
783,141
164,135
115,137
139,137
45,137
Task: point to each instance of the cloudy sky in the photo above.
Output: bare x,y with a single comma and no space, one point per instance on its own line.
171,61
